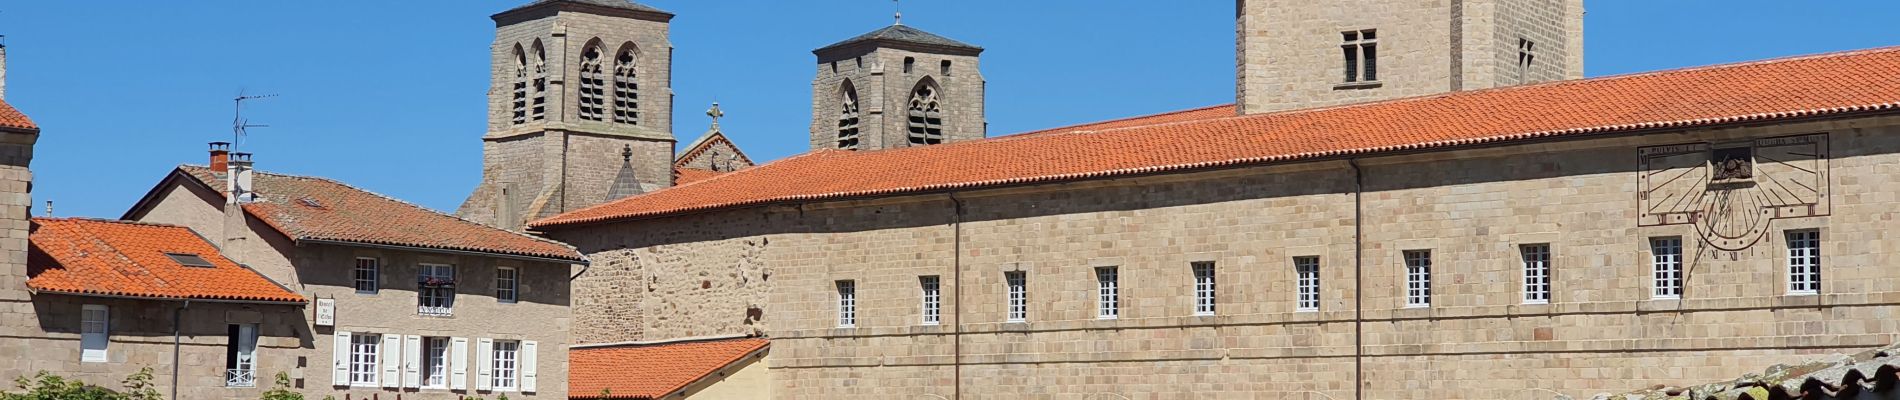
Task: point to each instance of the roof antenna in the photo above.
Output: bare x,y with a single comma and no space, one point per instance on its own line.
900,11
239,125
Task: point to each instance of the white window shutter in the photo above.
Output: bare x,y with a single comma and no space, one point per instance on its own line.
391,360
458,364
340,376
527,365
411,361
484,363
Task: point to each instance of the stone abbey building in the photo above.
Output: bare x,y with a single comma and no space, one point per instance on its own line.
1406,200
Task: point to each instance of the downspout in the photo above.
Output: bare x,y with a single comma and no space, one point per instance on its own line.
956,275
1358,281
177,320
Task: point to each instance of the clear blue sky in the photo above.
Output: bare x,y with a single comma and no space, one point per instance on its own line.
389,95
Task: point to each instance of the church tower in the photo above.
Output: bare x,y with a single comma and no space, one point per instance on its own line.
1304,54
896,87
581,97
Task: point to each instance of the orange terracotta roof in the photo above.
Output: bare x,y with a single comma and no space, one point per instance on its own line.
683,176
650,371
1209,112
316,209
14,119
117,258
1800,87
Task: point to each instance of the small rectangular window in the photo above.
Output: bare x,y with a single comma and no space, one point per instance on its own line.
1536,273
1203,288
240,356
1418,278
189,260
364,349
1018,288
435,290
946,68
435,362
1360,49
507,359
847,303
1107,293
94,332
507,284
1526,57
366,273
1804,262
933,299
1666,263
1306,275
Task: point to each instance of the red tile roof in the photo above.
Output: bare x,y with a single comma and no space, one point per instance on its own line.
316,209
651,371
683,176
116,258
14,119
1811,86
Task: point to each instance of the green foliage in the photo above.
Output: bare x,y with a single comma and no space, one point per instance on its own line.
282,390
503,397
606,394
46,386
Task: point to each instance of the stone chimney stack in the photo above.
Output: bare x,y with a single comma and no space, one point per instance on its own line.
220,155
238,179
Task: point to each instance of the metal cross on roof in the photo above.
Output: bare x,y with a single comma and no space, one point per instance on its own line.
899,5
715,113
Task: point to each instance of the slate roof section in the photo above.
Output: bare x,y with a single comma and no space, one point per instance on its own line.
1754,92
90,257
900,35
1869,374
12,118
317,209
617,4
652,371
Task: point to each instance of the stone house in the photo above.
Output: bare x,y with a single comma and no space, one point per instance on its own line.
404,300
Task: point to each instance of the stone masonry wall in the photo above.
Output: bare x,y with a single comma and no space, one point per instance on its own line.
43,335
687,278
1601,331
884,89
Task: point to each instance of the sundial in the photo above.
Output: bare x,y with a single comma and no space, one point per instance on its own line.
1732,192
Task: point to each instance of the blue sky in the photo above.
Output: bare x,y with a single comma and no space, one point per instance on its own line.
389,95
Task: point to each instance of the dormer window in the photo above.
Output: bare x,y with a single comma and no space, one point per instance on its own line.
190,260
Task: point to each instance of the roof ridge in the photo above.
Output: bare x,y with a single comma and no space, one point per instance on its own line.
110,221
760,166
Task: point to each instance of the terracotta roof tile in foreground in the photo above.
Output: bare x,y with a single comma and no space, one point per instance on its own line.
1811,86
316,209
14,119
1865,375
651,371
129,259
683,176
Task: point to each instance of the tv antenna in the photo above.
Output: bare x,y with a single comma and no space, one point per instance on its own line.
239,125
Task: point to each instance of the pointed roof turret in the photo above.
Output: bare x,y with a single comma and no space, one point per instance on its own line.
626,8
904,37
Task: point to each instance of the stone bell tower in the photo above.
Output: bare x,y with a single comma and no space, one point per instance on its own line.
896,87
579,89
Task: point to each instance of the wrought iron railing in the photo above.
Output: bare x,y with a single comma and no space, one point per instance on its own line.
435,311
240,378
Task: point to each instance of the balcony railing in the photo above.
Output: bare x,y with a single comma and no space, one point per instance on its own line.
240,378
430,311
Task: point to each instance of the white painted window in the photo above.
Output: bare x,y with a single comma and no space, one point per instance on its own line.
507,284
1418,278
1536,273
1362,55
365,349
94,332
1306,277
435,363
1804,262
240,356
507,360
1666,263
367,269
1108,293
933,299
435,289
1203,288
847,303
1017,286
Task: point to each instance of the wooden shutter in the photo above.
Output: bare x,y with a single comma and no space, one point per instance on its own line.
391,359
411,361
484,363
527,354
458,364
340,356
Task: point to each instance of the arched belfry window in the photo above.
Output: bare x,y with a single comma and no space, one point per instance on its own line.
593,84
538,108
626,91
518,89
848,117
926,114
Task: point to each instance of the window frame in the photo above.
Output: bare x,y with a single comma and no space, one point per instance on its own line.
1661,287
446,300
1804,269
847,303
509,283
1526,59
375,272
103,335
1016,296
1206,300
1306,282
436,352
365,359
932,298
1535,262
505,359
1360,51
236,359
1107,292
1418,278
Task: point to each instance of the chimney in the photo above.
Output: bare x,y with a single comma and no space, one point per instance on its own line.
220,153
237,179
